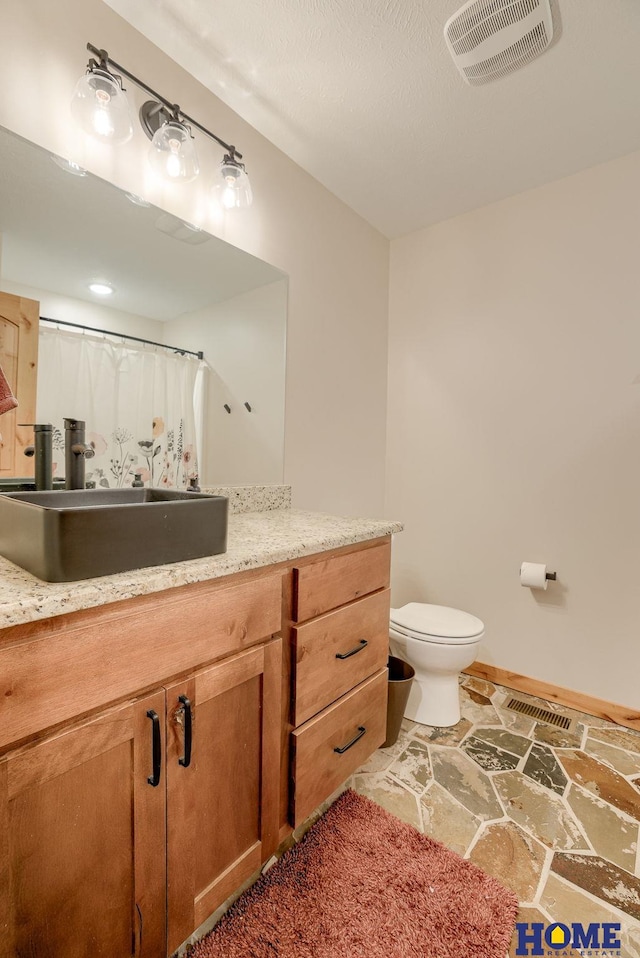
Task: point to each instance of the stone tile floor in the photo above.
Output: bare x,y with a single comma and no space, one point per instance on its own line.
553,814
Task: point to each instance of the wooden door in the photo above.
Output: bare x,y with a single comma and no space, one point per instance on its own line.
82,840
19,320
222,792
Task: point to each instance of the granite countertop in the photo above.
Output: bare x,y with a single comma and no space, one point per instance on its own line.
255,539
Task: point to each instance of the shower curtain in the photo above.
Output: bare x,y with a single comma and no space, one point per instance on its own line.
142,405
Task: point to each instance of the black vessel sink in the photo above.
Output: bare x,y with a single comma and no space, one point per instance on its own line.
17,485
66,535
25,485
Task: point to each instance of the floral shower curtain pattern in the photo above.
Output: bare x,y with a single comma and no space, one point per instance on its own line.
142,406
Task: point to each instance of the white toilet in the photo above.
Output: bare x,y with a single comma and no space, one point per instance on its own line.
438,642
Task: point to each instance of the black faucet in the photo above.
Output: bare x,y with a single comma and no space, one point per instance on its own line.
76,451
42,449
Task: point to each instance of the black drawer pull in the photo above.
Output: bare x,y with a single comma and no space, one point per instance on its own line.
185,761
362,644
157,748
345,748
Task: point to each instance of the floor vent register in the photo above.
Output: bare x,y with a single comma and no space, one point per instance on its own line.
540,714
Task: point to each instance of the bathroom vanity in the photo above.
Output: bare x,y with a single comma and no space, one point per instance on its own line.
162,730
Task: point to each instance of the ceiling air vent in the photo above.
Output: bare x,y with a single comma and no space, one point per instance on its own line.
489,39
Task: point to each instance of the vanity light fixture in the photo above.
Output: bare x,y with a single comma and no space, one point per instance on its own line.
172,152
233,184
99,103
100,106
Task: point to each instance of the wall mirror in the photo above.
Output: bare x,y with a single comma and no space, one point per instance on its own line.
172,283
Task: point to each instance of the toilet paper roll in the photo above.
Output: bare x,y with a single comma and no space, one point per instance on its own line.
533,575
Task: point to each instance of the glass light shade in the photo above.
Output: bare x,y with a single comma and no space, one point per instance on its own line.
101,108
137,200
233,186
173,154
69,166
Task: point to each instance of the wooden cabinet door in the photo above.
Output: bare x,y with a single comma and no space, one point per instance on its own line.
82,840
223,736
19,321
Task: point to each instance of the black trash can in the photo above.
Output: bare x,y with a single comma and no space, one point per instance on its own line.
398,687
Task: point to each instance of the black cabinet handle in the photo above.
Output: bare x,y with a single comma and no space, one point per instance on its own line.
362,644
157,748
185,761
345,748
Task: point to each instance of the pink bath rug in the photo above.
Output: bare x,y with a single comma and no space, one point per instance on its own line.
363,884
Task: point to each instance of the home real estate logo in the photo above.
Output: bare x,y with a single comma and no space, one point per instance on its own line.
597,939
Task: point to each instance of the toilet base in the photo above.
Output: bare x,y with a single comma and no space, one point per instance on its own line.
434,700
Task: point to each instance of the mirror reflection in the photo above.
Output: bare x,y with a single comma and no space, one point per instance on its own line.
62,232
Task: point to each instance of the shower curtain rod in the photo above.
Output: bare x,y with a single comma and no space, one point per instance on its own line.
137,339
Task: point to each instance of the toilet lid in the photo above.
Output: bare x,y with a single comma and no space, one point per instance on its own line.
437,622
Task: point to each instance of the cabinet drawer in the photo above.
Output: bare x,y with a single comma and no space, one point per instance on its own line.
115,652
337,651
317,768
321,586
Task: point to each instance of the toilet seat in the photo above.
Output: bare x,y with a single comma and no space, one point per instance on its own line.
436,623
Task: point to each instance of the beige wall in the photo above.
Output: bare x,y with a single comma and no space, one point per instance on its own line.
243,340
514,425
337,264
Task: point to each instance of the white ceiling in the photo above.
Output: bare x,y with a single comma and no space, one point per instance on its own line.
363,95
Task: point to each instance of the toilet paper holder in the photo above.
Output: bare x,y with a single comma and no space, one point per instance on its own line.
534,575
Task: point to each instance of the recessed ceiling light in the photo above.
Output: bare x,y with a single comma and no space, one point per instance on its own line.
68,166
101,289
